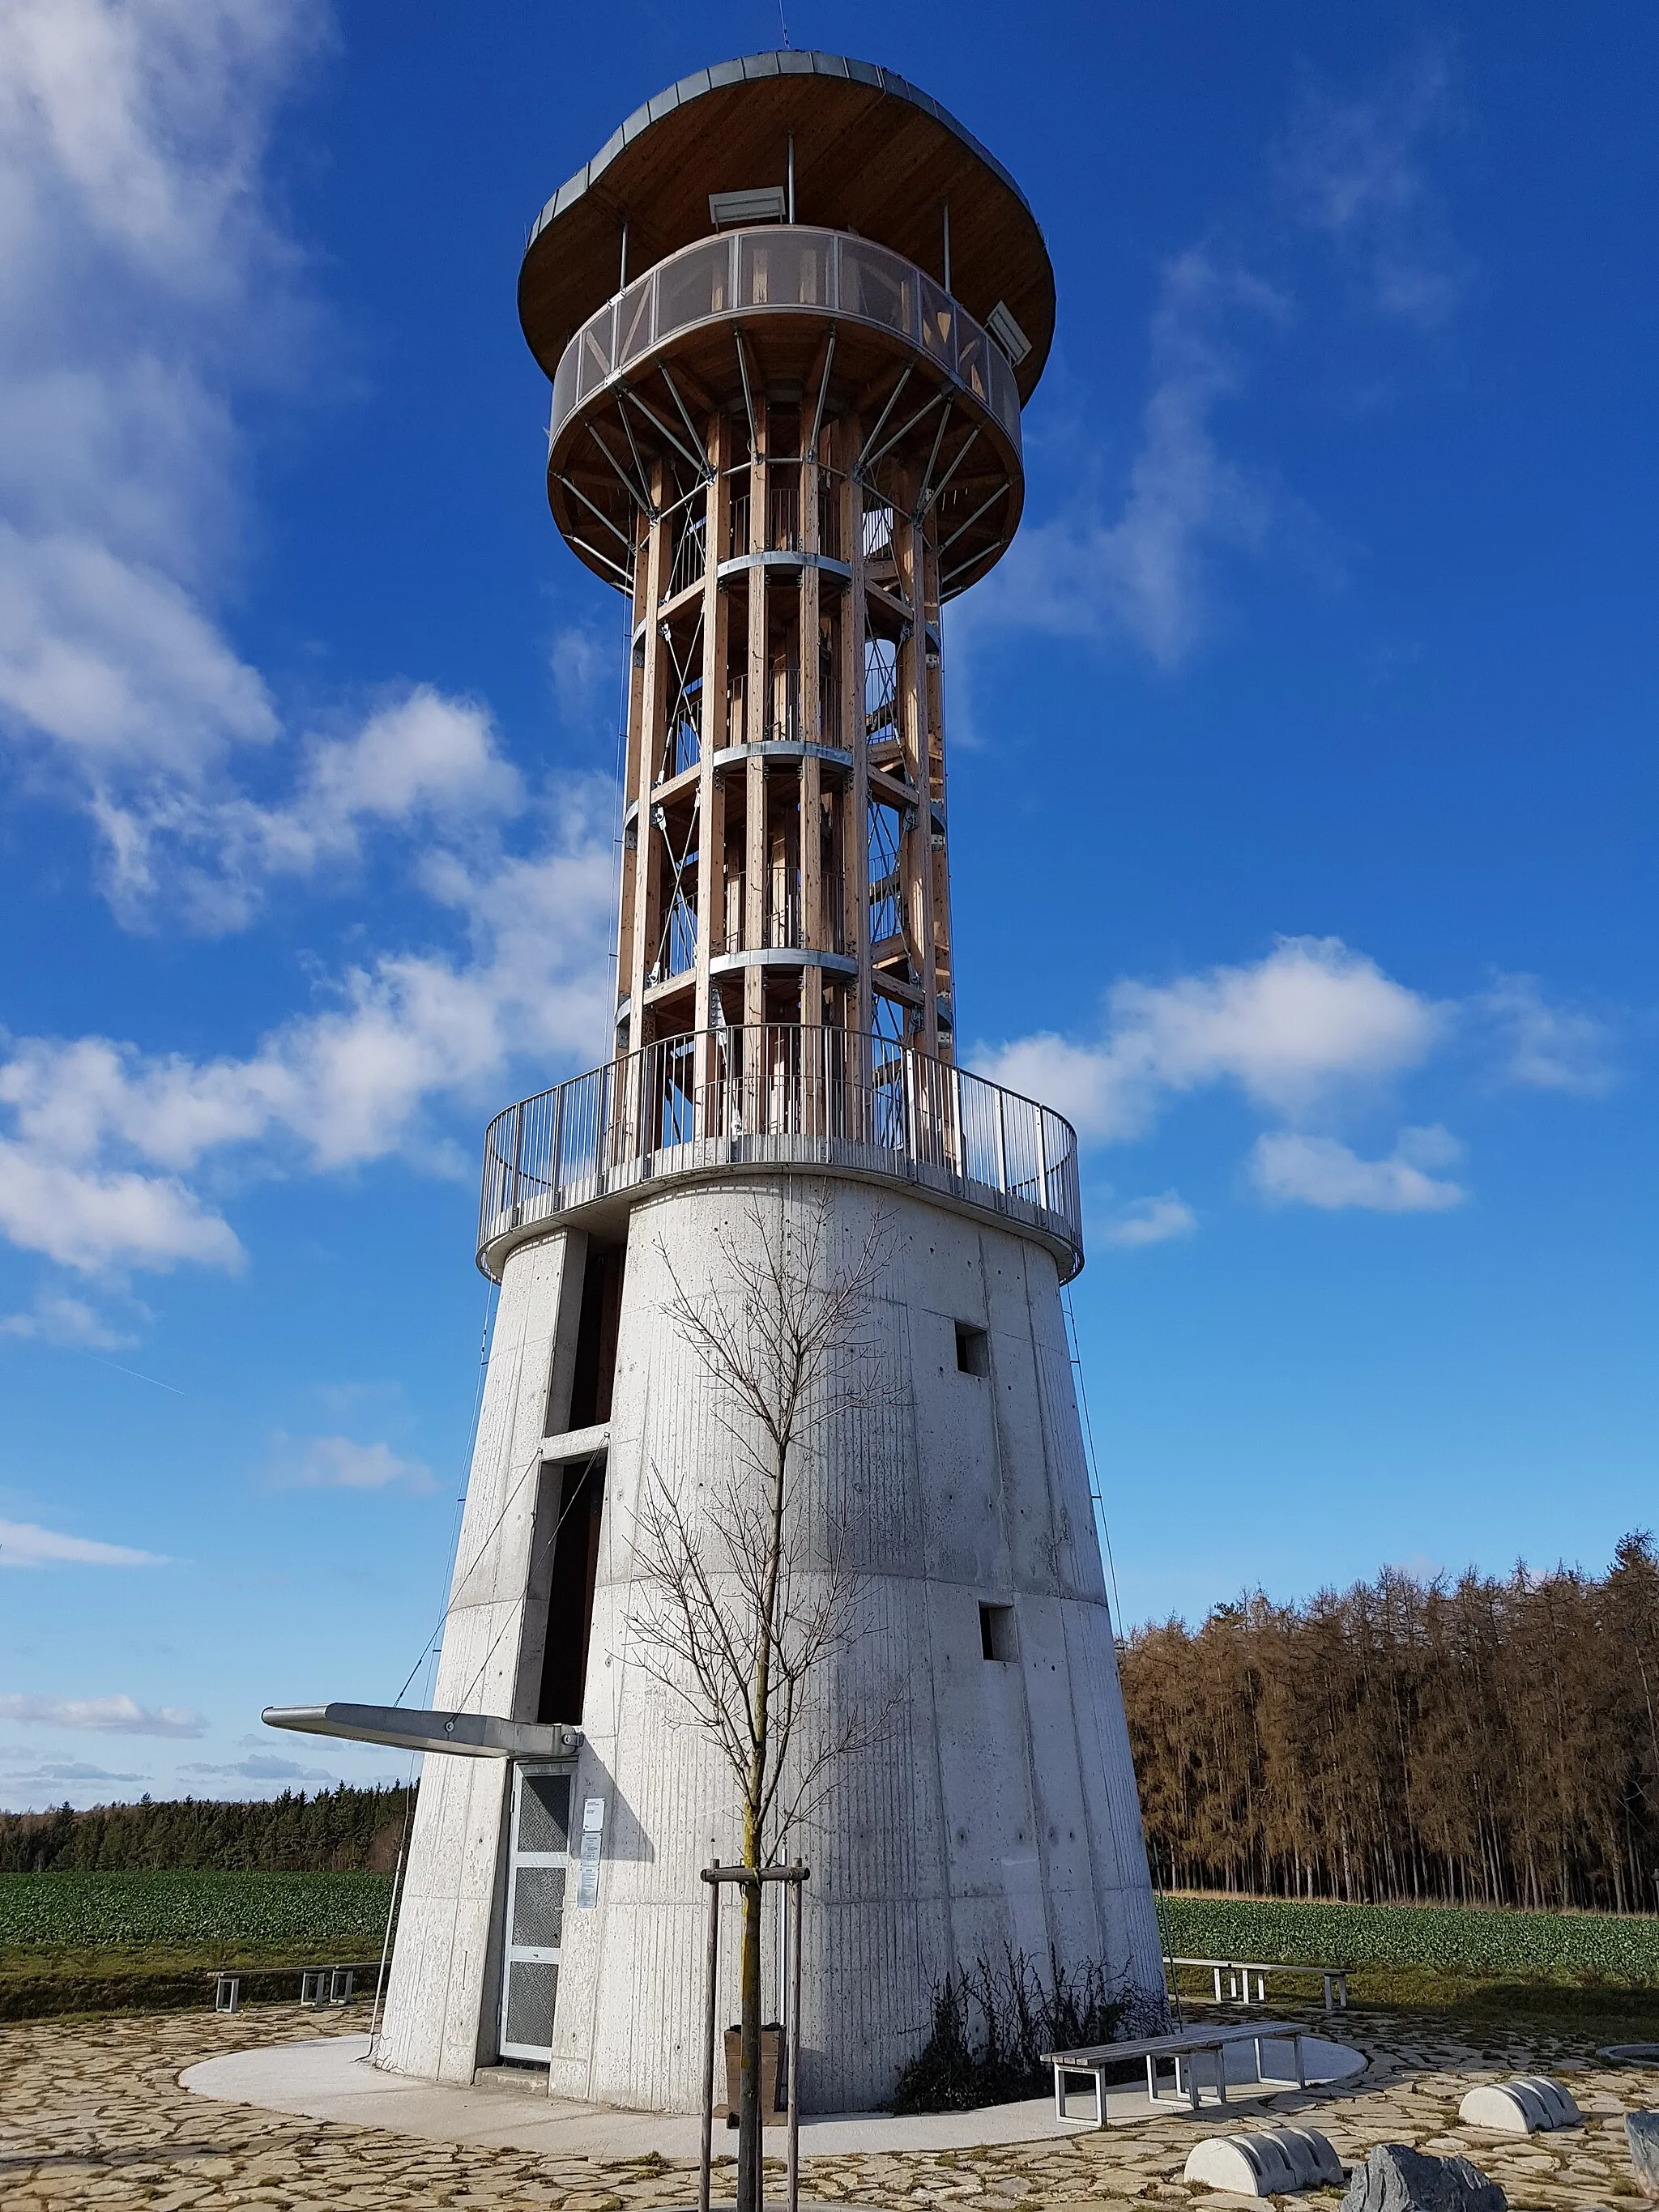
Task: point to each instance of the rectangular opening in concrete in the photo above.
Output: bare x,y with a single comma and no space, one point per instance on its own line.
596,1336
973,1349
570,1592
998,1640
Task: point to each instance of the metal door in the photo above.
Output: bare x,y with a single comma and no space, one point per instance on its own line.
536,1861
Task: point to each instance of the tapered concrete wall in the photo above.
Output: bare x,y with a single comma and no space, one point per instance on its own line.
994,1805
445,1965
997,1806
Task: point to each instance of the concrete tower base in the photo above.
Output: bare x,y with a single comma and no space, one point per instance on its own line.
995,1808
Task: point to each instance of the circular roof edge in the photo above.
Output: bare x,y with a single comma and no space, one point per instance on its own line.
750,69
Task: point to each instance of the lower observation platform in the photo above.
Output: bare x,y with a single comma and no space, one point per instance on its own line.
765,1097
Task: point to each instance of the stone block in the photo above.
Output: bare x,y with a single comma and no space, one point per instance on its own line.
1523,2106
1265,2162
1642,2134
1397,2178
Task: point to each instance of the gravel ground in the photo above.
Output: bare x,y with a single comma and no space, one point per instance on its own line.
91,2113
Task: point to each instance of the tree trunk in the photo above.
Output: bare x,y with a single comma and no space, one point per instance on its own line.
749,2152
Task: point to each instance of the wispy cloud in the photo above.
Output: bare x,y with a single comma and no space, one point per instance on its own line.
23,1544
261,1769
55,1318
422,764
340,1463
1143,574
1143,563
1355,173
116,1715
67,1770
1291,1168
1145,1221
1543,1047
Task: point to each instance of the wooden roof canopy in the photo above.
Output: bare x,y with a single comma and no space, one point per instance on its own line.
874,155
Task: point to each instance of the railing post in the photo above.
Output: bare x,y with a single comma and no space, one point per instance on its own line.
1043,1154
1002,1144
513,1213
555,1165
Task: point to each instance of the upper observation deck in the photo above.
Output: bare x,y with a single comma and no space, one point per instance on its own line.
806,229
873,156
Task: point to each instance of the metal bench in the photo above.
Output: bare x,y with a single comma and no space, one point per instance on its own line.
1191,2044
1241,1973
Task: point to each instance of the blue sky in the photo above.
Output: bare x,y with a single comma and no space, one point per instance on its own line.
1303,793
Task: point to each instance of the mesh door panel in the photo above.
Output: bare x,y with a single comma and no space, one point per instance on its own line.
538,1908
545,1812
531,1989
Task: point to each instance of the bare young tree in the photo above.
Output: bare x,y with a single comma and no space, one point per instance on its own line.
743,1592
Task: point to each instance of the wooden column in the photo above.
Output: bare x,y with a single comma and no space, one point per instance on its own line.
927,560
814,933
711,792
647,858
855,864
756,859
915,845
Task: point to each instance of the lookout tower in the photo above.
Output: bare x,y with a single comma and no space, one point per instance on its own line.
790,315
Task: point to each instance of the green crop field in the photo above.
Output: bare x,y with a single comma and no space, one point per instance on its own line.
1442,1940
206,1915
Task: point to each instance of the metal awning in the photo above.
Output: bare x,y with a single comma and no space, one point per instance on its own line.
473,1735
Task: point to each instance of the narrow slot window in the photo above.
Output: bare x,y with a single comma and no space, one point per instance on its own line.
997,1636
973,1349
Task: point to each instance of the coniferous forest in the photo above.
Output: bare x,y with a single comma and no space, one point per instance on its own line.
1481,1741
1486,1742
337,1832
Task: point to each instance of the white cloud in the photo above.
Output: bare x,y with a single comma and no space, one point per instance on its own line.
57,1319
115,661
88,1217
1545,1047
1151,1221
421,763
1291,1168
339,1463
140,280
1311,1019
116,1715
91,1172
23,1544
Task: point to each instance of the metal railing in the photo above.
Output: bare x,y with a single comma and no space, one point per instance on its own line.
780,1096
786,268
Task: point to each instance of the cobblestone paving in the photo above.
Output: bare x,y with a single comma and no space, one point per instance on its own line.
91,2113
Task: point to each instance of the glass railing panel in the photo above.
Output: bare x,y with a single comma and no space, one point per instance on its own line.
594,355
694,285
1004,391
785,267
635,324
940,316
564,388
974,361
877,286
